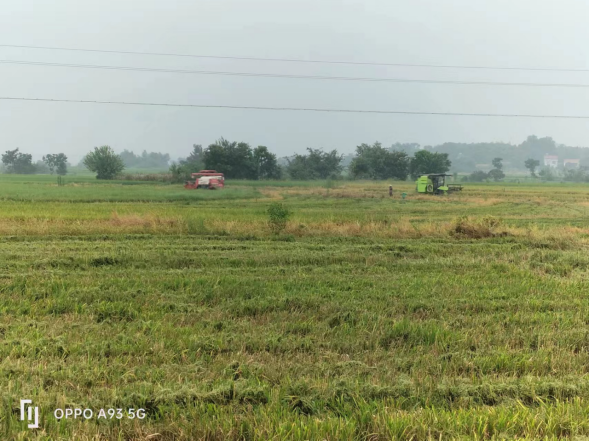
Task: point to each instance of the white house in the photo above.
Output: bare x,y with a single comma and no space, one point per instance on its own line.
572,163
550,160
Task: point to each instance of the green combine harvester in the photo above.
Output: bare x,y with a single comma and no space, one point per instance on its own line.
435,184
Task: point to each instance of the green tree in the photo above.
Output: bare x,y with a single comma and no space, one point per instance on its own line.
267,167
49,160
61,168
547,174
105,162
18,162
316,165
531,164
429,162
182,170
56,162
325,164
195,158
497,173
235,160
298,168
377,163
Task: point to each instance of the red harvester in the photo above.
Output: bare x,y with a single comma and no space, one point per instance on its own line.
206,179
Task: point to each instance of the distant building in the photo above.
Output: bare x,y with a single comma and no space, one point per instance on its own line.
551,161
572,164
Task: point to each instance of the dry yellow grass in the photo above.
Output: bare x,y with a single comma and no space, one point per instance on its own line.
403,228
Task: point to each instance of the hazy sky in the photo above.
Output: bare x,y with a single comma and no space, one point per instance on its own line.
529,33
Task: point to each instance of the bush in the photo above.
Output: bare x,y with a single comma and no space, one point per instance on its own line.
278,216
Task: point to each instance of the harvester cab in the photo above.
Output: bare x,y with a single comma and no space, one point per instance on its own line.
206,179
435,184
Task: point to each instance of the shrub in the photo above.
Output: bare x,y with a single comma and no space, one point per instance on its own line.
278,216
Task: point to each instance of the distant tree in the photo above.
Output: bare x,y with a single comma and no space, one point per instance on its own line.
129,158
41,167
577,175
377,163
531,164
153,160
535,147
497,173
425,161
49,160
18,162
471,156
182,170
178,172
62,164
298,168
195,155
547,174
266,164
9,158
194,161
408,148
105,162
56,162
147,160
235,160
325,164
317,164
497,163
478,176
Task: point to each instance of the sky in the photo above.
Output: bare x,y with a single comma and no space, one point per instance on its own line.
506,33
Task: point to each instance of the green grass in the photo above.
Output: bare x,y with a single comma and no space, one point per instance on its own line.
88,189
369,318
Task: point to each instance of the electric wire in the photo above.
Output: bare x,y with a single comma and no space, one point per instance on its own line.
293,76
299,60
295,109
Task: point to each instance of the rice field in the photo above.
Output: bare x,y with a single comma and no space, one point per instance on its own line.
368,317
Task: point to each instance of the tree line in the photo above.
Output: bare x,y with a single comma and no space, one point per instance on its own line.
467,157
102,160
485,161
238,160
15,161
147,160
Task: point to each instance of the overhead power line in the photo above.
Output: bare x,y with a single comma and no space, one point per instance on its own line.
296,109
291,76
299,60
